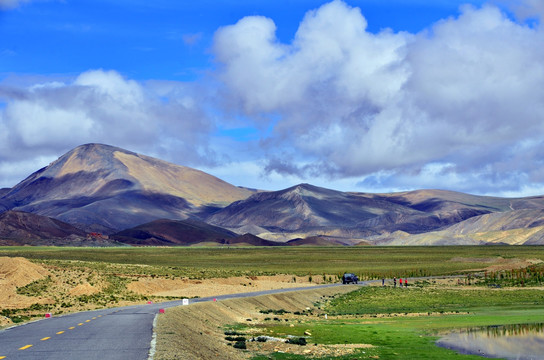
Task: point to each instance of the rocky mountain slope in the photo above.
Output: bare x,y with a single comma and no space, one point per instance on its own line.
185,232
17,225
21,228
305,210
514,227
103,188
169,232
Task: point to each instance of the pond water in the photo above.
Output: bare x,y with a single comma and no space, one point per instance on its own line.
520,342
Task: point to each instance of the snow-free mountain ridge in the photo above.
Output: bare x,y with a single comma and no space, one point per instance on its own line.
147,201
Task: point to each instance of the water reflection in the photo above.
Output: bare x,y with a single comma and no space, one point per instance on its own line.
520,341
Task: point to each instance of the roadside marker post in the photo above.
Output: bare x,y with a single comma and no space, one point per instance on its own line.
214,299
48,315
150,302
161,311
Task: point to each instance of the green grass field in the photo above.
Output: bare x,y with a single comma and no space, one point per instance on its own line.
368,262
378,300
405,323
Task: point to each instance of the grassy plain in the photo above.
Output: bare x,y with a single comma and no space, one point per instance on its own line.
356,318
403,323
368,262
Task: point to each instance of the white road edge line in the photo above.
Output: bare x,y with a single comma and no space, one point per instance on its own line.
153,340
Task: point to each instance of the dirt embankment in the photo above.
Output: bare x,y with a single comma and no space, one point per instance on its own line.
217,286
14,273
197,331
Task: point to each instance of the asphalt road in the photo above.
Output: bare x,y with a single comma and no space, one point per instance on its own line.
110,334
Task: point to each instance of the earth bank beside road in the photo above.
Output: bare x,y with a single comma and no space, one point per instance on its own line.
197,331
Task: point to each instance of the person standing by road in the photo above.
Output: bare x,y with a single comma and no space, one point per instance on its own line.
395,281
400,282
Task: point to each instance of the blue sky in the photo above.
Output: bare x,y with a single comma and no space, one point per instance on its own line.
165,39
362,95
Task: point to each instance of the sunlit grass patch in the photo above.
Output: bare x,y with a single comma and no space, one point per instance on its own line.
380,300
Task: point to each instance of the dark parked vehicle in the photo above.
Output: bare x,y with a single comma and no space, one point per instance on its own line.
349,278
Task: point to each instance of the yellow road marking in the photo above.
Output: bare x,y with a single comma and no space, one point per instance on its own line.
2,357
79,324
94,318
99,315
25,347
87,320
60,332
71,328
45,338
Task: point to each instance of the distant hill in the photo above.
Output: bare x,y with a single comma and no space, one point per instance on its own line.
305,211
250,240
304,207
103,188
315,241
185,233
165,232
515,227
21,228
21,225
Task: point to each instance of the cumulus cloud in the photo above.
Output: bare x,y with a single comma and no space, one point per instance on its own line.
526,9
458,105
51,117
463,96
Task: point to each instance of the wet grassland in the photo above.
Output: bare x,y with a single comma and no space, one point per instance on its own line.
404,323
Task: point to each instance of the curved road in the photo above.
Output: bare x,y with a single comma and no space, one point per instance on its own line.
109,334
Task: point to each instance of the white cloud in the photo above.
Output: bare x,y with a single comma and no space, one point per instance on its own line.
331,54
525,9
463,93
51,117
459,105
40,125
13,172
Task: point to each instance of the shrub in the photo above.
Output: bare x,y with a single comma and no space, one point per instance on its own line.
232,332
235,338
297,341
240,345
275,312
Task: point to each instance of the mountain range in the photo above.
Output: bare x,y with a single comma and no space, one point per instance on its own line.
133,199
